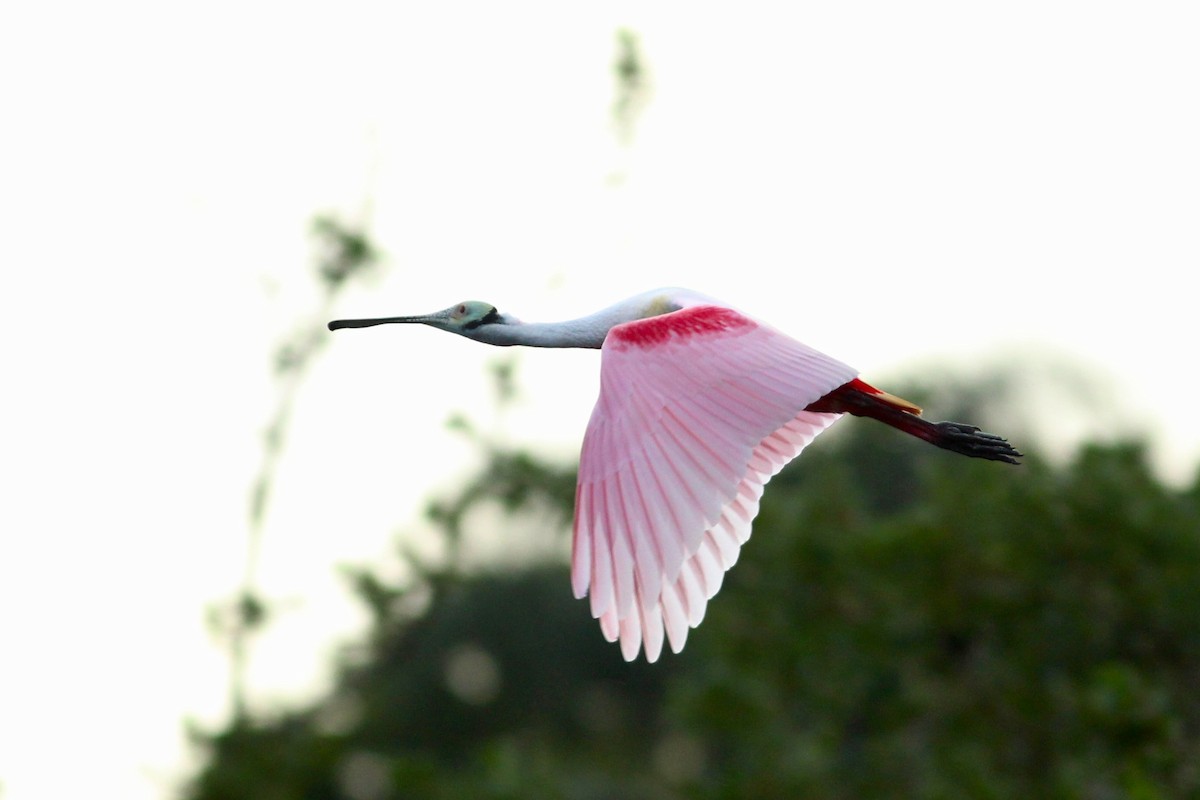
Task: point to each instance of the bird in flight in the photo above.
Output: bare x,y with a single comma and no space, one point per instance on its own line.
699,407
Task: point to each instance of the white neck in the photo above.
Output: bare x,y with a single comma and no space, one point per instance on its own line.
586,332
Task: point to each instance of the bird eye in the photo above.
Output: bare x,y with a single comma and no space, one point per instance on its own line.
462,309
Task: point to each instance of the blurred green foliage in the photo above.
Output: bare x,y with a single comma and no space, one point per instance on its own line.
632,85
343,251
903,623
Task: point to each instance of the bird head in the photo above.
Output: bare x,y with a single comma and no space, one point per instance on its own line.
469,318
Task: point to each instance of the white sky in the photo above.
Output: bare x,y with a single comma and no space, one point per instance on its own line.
894,183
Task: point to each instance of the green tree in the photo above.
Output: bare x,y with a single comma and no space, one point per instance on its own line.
986,632
1004,634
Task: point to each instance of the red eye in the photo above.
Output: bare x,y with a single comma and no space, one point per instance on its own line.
462,309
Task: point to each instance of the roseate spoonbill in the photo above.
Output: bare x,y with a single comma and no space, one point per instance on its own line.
699,407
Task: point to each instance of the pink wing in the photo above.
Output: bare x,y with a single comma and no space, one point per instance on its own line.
698,409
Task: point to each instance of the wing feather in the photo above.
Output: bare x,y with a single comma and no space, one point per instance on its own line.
711,572
581,541
675,618
610,626
631,634
698,409
602,562
648,568
672,548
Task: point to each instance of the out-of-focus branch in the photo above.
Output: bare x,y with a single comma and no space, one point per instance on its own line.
343,252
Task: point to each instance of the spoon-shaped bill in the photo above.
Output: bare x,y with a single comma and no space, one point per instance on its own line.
367,323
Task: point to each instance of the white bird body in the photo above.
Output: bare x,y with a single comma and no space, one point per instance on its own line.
699,406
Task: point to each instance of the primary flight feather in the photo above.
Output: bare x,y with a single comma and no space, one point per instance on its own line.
699,407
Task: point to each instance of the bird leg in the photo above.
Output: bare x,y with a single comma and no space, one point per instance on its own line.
863,400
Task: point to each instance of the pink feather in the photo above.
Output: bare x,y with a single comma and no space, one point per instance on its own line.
698,409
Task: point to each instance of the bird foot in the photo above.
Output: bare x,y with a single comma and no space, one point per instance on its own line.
971,441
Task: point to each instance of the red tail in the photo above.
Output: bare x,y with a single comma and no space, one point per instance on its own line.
863,400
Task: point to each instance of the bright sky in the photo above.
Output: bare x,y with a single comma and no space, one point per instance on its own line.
893,183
